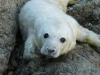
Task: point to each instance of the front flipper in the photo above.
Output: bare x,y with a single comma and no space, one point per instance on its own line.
29,49
87,36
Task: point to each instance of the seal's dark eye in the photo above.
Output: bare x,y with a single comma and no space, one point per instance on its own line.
62,40
46,35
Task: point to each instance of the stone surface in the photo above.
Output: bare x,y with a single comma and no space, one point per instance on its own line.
8,29
83,60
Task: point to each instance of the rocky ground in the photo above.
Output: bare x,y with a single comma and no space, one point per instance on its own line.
83,60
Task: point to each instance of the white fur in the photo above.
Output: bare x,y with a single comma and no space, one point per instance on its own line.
38,17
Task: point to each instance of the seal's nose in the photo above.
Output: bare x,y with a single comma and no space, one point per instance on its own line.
50,51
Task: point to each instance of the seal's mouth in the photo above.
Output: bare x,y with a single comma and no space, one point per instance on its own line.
51,55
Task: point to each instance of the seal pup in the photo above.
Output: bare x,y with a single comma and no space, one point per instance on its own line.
46,28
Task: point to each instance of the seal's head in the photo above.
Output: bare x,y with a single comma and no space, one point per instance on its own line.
56,42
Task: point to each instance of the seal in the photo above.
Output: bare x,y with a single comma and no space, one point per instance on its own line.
47,29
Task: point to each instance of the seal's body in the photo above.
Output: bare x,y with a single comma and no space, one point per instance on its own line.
47,28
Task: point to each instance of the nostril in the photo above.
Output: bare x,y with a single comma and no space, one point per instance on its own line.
51,51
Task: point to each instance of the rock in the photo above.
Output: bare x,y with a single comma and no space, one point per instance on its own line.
83,60
8,29
86,11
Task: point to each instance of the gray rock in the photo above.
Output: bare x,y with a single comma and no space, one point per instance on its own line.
8,29
86,11
83,60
